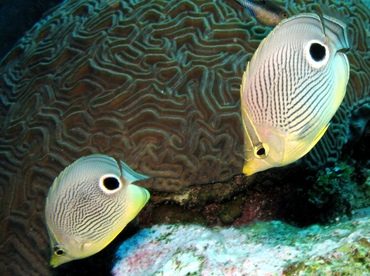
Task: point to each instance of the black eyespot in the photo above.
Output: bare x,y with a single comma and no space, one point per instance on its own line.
59,251
317,52
111,183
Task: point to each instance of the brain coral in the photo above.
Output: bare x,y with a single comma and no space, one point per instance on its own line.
154,83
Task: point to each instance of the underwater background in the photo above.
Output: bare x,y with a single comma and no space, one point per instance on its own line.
156,84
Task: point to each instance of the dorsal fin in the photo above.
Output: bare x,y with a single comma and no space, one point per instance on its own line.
336,31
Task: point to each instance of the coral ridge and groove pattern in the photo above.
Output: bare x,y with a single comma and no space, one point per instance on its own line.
153,83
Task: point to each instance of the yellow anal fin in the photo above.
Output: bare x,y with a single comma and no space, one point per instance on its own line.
320,134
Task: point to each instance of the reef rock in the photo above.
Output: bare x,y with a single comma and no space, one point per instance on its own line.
264,248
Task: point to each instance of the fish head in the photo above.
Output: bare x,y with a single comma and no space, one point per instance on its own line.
279,148
89,204
265,152
67,248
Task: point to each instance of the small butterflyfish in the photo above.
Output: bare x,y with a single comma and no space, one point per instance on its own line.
89,204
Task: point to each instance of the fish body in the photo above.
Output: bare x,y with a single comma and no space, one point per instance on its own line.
291,89
265,12
89,204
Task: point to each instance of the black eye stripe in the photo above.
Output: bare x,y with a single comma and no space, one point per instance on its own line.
261,150
59,250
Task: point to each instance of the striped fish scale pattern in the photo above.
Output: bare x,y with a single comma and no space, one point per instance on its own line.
310,97
300,97
73,223
154,83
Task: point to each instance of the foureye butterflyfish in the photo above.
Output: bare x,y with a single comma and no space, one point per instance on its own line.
291,89
89,204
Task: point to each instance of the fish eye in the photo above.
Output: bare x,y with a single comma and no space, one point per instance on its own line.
284,15
59,250
110,184
261,150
